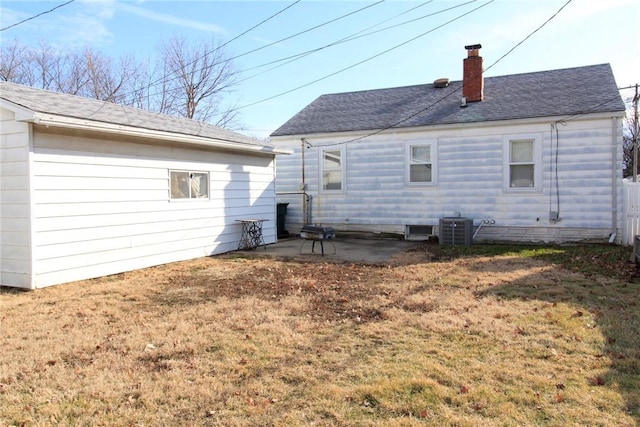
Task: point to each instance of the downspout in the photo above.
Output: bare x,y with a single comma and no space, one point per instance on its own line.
303,186
614,179
302,144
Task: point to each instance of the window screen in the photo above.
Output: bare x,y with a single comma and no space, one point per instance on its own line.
420,165
332,170
521,164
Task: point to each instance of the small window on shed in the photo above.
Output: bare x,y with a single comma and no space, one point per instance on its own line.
189,185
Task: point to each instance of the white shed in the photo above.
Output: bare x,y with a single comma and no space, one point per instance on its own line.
533,157
91,188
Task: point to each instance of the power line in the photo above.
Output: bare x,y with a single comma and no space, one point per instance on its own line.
367,59
163,81
452,92
261,22
35,16
349,38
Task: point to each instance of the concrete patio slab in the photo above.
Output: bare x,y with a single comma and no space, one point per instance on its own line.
370,251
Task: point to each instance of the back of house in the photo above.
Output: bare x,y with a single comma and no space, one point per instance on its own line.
534,157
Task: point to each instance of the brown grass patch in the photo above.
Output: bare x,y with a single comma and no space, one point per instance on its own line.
432,338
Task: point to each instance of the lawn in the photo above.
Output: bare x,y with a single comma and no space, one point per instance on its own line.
476,336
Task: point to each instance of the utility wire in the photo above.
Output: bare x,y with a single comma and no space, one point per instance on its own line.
348,38
163,80
452,92
351,37
35,16
367,59
342,40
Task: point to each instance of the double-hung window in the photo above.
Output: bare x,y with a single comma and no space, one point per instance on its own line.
522,162
421,162
189,184
332,169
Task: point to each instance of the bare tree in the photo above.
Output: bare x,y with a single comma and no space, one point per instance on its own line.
104,82
628,138
189,80
12,58
41,67
150,89
201,74
72,76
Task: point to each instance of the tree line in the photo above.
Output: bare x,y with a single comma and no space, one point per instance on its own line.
187,79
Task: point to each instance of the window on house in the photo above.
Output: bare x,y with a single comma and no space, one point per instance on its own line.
421,163
522,163
332,170
189,185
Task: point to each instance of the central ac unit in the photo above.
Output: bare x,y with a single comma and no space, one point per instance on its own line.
455,231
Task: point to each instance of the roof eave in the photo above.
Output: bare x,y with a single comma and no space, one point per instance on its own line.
22,114
457,125
51,120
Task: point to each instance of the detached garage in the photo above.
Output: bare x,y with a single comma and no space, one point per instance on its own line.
91,188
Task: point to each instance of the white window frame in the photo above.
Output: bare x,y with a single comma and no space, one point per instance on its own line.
432,144
192,196
343,170
536,140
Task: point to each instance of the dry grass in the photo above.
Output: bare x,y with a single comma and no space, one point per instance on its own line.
506,338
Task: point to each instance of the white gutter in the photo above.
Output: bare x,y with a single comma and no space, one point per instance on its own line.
51,120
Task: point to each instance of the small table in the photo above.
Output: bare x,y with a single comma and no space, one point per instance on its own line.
251,236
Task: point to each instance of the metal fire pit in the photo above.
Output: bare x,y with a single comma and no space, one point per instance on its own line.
316,233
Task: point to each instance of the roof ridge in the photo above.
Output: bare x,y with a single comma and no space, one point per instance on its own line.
451,82
79,107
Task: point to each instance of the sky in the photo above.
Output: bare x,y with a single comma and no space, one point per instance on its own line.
388,43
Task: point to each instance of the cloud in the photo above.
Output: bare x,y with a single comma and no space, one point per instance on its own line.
169,19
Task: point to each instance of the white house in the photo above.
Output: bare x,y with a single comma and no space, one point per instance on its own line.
90,188
532,157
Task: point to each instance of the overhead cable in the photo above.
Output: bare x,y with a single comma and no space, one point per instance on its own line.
452,92
163,80
367,59
35,16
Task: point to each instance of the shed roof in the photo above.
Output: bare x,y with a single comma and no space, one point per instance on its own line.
54,104
564,92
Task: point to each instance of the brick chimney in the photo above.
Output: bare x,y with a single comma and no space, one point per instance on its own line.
472,80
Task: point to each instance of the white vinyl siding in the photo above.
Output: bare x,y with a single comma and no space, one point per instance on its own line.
15,200
470,179
101,207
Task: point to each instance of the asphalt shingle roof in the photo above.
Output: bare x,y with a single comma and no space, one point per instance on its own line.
61,104
565,92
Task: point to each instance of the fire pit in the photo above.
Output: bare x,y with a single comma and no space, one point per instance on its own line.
317,233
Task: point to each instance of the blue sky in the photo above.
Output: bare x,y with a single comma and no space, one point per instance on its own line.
585,32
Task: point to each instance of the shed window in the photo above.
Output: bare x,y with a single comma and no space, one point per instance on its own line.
189,185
